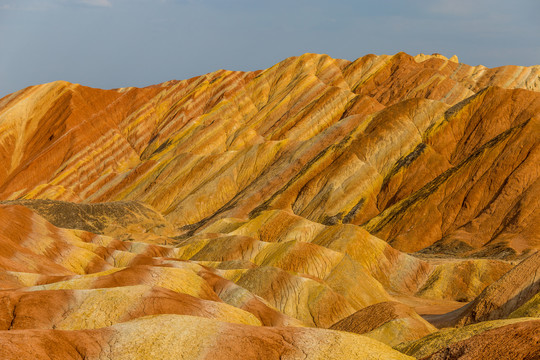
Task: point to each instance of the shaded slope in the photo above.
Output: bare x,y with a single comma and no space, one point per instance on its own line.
445,339
126,220
501,298
476,202
522,341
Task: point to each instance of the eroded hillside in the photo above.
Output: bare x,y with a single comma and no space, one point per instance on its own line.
320,208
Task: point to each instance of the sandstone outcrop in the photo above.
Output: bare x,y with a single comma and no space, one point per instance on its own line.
192,338
389,322
375,141
520,342
500,299
445,342
234,213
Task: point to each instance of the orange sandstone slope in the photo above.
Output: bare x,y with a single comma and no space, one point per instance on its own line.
374,142
310,194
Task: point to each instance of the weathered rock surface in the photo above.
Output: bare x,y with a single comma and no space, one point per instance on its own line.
174,336
445,342
234,212
378,141
92,309
388,322
125,220
521,341
530,309
501,298
461,280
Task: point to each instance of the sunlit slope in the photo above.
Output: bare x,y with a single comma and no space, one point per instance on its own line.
378,141
320,208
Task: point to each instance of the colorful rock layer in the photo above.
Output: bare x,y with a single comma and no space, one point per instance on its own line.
320,208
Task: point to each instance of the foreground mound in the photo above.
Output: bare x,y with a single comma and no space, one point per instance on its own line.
521,341
186,337
518,337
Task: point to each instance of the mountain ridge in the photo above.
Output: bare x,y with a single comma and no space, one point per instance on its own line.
306,195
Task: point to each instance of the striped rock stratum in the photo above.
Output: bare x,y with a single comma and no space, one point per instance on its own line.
386,207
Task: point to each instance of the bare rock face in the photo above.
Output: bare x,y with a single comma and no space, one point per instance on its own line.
378,141
388,322
501,298
530,309
444,342
507,294
126,220
468,216
521,341
232,214
192,338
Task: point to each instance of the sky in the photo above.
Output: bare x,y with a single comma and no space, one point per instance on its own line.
119,43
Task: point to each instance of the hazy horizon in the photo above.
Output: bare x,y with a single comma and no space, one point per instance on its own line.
120,43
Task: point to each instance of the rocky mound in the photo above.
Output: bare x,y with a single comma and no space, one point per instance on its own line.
521,341
126,220
389,322
501,298
166,336
443,341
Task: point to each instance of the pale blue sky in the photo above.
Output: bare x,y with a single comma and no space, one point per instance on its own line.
117,43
